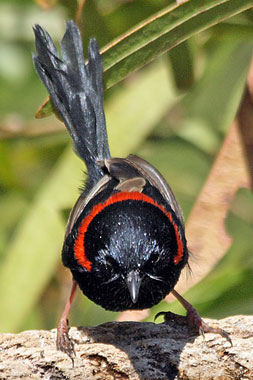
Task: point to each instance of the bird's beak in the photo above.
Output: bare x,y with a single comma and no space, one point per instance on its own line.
133,281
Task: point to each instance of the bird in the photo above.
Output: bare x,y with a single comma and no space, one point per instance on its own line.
125,241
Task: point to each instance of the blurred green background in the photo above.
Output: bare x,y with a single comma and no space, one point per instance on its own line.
175,112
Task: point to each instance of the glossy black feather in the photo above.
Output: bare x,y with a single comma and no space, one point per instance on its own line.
129,236
77,92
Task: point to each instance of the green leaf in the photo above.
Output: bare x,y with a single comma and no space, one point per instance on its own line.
210,107
162,32
34,251
46,109
181,59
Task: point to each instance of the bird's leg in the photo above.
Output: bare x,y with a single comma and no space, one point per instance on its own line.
194,320
63,341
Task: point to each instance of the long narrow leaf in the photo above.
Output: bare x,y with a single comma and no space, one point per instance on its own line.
161,33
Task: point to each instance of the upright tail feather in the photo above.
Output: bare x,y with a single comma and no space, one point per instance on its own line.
77,92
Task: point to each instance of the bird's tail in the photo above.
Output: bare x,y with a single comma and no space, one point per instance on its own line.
76,91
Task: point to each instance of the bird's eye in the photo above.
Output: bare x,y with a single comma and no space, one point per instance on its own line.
113,272
110,261
154,257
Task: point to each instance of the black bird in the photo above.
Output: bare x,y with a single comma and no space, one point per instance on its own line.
125,238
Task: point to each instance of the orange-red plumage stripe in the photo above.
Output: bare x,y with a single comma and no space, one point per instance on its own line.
79,245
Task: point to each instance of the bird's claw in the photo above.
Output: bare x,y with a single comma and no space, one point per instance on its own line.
196,323
63,341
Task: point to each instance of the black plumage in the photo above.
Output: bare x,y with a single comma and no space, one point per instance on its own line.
125,239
